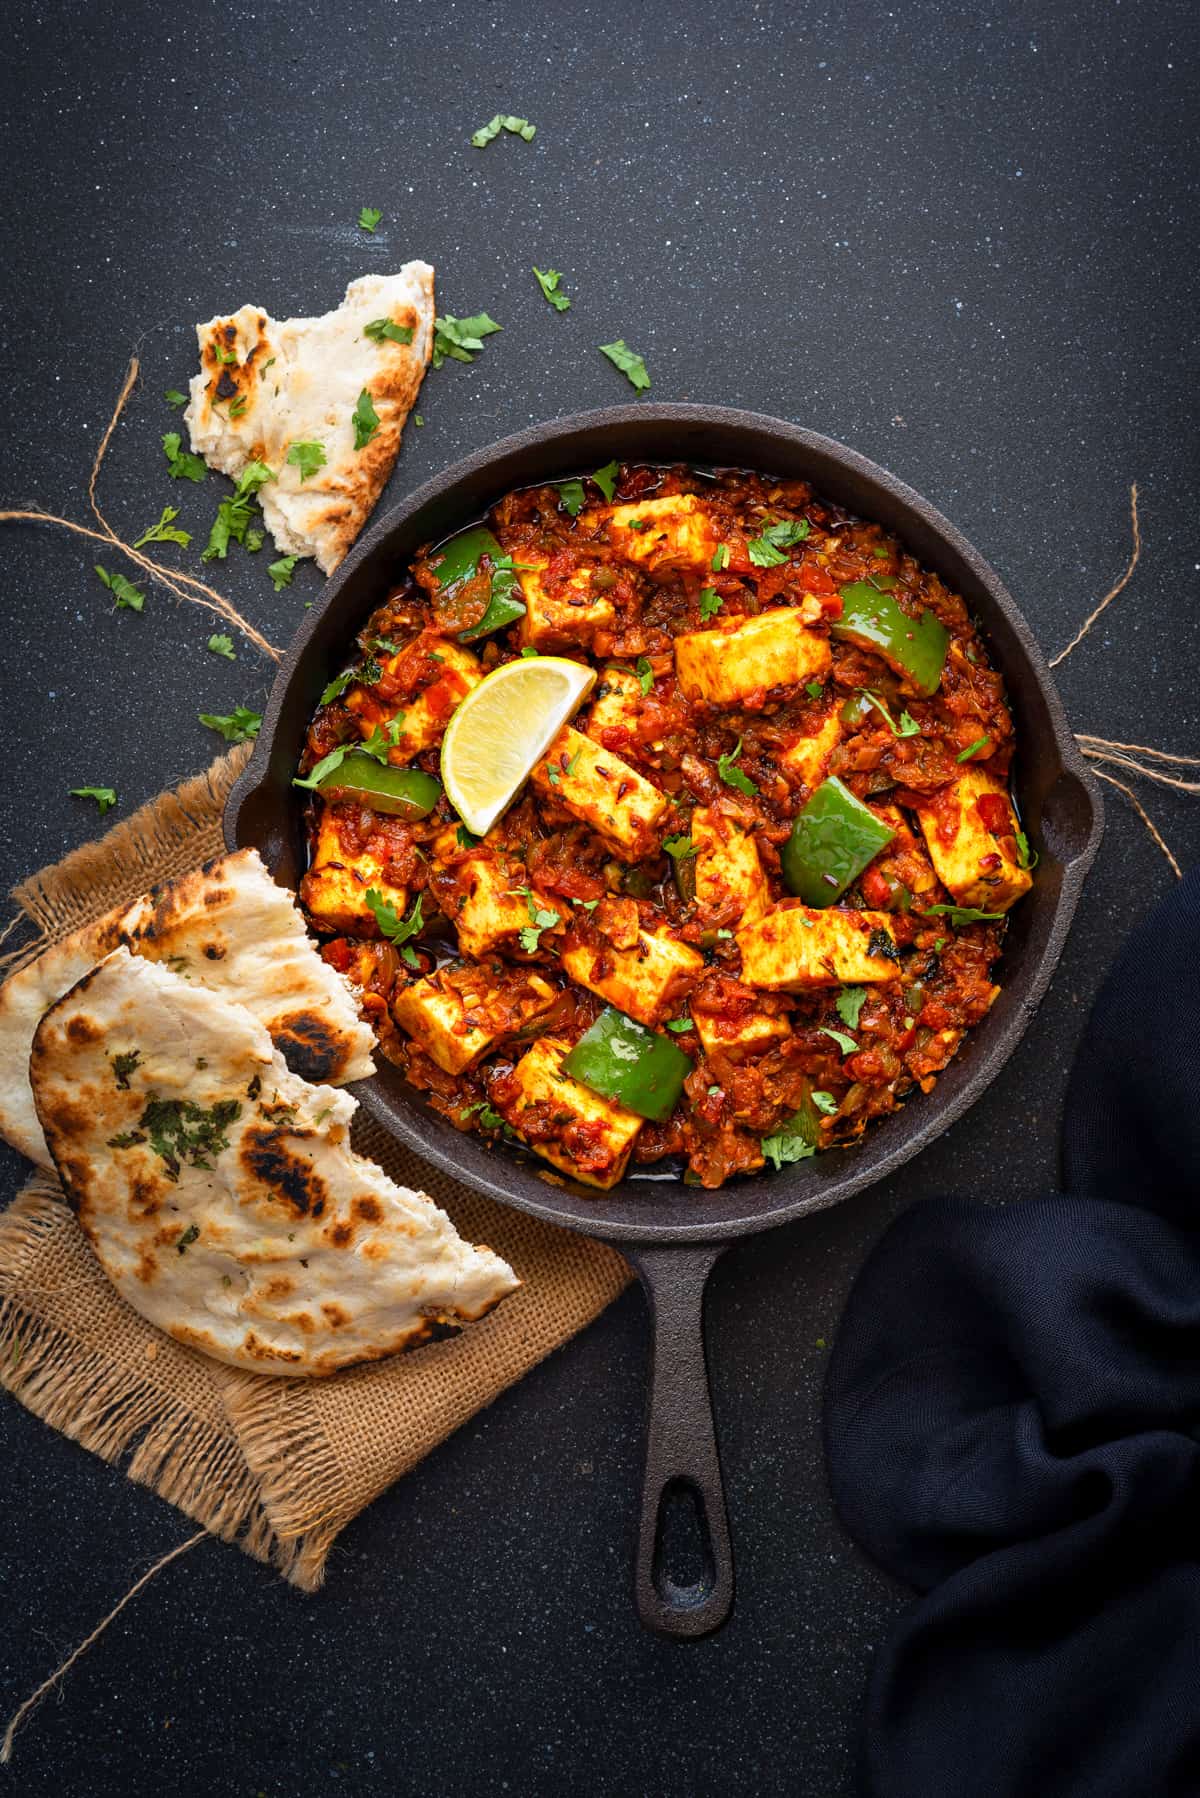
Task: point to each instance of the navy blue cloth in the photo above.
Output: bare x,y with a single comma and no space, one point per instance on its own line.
1011,1420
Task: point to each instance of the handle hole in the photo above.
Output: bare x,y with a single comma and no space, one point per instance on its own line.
683,1569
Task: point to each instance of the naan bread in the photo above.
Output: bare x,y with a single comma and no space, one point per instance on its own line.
220,1192
299,380
227,927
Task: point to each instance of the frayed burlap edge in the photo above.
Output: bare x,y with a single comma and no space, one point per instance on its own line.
75,1387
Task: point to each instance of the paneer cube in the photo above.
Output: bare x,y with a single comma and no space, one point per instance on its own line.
796,948
674,531
618,697
970,832
334,890
427,715
567,1124
459,1015
738,1039
750,656
807,759
478,891
620,804
645,982
559,613
729,876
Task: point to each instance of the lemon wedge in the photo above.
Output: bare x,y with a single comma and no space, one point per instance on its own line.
499,730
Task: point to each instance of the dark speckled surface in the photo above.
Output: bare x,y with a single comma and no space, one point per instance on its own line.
954,237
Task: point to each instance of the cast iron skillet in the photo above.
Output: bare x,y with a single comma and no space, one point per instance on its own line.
671,1233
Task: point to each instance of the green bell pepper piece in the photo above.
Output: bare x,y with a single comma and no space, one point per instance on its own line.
621,1060
915,647
458,561
832,840
400,792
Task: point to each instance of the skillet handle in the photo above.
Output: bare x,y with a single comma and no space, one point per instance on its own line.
681,1447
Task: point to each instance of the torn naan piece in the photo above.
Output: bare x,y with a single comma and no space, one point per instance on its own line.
220,1192
227,927
287,393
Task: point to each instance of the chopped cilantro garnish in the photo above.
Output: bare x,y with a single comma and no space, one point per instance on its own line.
845,1043
173,397
548,280
572,496
365,419
850,1003
645,674
238,726
1026,857
606,478
679,848
789,1143
461,338
164,532
539,920
127,596
962,914
221,645
964,755
181,464
369,218
679,1025
814,688
381,329
732,776
720,558
336,687
630,364
105,797
185,1241
766,550
710,602
180,1130
281,572
907,727
395,928
825,1102
503,121
307,457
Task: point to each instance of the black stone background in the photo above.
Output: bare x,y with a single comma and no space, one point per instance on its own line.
954,236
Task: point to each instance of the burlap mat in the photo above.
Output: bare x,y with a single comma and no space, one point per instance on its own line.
278,1466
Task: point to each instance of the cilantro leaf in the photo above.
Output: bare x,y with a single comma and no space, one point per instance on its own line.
680,848
173,397
105,797
814,688
645,674
237,726
572,496
369,218
1026,857
606,478
503,121
733,777
336,687
850,1003
163,532
965,755
281,572
962,914
548,280
181,464
128,597
720,558
710,602
907,727
221,645
539,920
307,457
630,364
316,774
825,1102
766,550
678,1025
365,419
393,927
461,338
788,1144
380,329
845,1043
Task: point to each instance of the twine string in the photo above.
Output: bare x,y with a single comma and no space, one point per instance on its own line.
183,586
1144,815
1112,593
48,1685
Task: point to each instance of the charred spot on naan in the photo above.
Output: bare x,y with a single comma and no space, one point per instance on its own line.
309,1046
84,1030
265,1155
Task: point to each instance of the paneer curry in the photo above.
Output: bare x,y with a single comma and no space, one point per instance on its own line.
752,891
